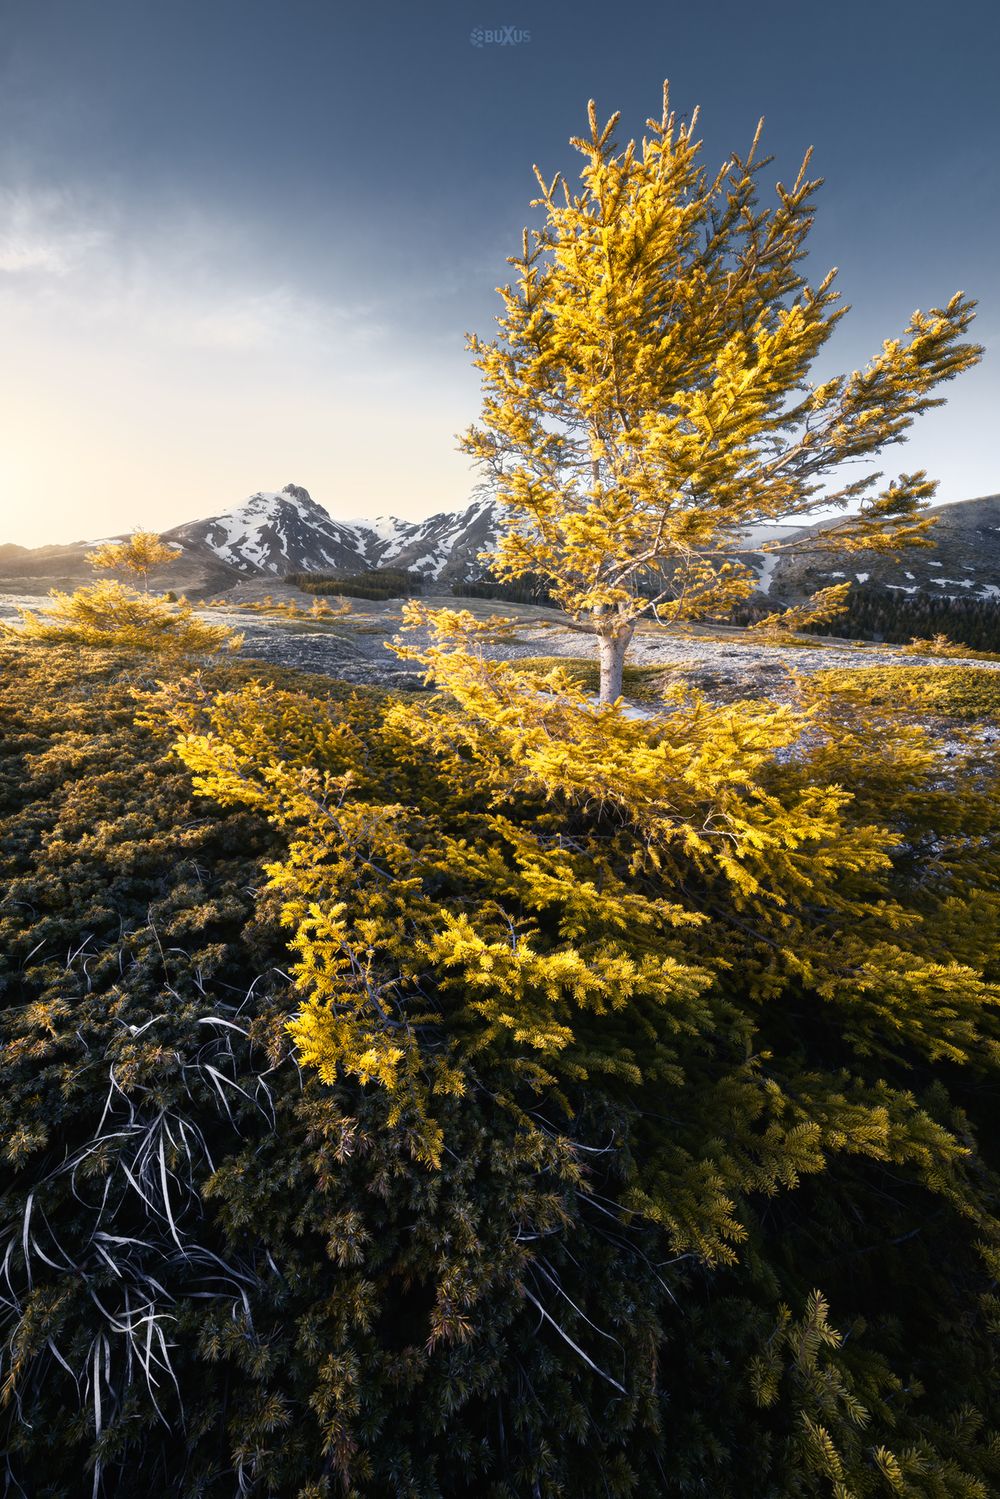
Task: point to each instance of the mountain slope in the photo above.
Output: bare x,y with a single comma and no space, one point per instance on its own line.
273,533
963,562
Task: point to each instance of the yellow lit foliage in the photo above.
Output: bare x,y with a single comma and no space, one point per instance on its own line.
510,881
946,691
648,396
941,645
109,614
138,554
321,608
572,1141
824,605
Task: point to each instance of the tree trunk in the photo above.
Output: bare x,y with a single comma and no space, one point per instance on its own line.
611,649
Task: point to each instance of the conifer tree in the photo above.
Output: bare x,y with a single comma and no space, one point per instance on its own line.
648,397
111,615
138,554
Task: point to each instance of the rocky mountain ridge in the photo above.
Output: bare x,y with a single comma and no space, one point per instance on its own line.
962,562
274,533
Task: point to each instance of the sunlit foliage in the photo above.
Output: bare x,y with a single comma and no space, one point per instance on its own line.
735,964
960,692
937,645
113,616
138,554
220,1274
825,605
648,396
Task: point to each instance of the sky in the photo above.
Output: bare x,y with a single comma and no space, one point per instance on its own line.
242,241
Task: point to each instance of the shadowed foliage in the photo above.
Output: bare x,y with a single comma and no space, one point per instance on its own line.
611,1160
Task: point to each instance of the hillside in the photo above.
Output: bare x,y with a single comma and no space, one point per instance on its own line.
274,533
963,560
258,1242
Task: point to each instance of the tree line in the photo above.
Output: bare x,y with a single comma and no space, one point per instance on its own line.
875,612
396,583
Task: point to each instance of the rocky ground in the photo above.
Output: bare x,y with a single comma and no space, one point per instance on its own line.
723,663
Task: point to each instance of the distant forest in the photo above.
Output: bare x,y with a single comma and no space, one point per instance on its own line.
874,612
382,583
395,583
888,614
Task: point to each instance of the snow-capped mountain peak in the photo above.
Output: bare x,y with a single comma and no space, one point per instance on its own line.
286,531
275,532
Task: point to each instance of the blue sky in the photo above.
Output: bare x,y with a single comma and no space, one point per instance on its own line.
241,243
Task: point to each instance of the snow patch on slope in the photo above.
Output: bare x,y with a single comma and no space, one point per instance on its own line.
284,532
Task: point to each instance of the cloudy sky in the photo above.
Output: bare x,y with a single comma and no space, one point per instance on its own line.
241,241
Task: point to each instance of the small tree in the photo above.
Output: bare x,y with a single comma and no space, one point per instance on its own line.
138,554
112,616
648,397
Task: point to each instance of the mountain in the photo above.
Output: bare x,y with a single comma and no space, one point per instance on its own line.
963,562
446,546
273,533
286,532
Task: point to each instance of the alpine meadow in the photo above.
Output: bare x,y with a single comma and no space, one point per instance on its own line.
547,1078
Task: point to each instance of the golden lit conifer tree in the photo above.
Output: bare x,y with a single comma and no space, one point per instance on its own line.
138,554
648,397
113,616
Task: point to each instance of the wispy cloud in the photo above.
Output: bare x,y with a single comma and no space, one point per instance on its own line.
41,232
163,362
174,280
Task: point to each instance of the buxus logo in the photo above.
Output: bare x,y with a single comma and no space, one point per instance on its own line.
499,36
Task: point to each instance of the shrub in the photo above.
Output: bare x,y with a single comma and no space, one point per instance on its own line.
639,1135
962,692
940,645
112,616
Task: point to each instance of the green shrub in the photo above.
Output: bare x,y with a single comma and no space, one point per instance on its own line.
223,1274
962,692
